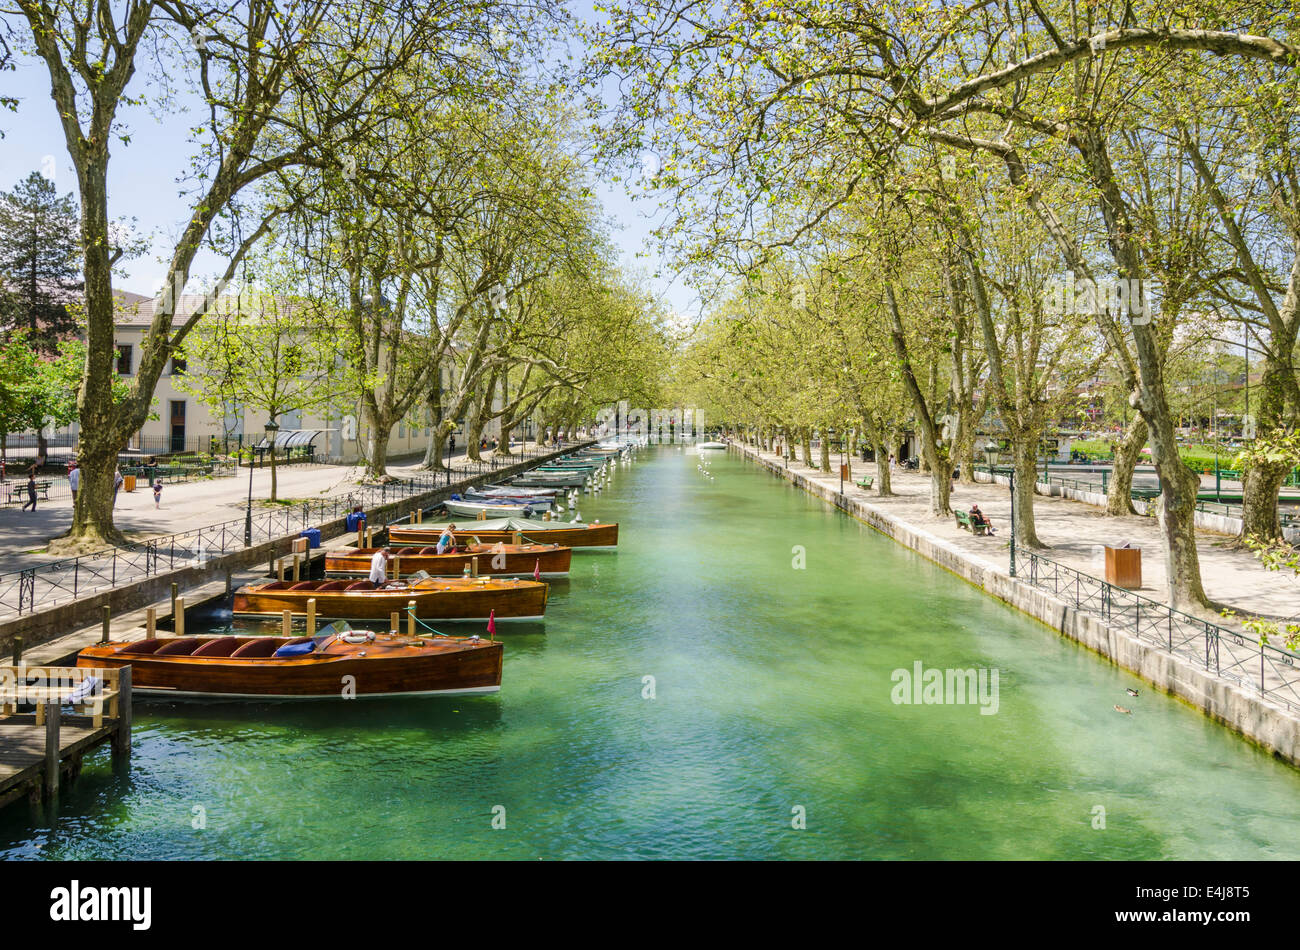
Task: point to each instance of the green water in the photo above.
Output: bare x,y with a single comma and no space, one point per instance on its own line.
772,693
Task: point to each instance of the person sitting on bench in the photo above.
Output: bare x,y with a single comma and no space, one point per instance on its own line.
977,517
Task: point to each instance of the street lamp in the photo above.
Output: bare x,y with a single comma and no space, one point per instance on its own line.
271,429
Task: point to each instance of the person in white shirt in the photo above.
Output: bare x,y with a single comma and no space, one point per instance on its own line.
74,481
378,565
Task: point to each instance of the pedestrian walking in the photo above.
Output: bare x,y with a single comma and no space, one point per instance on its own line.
31,489
74,481
157,493
451,444
117,484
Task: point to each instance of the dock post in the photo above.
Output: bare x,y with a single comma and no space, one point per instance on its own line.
286,623
108,616
18,651
52,712
122,736
516,537
178,616
473,567
151,623
311,616
393,624
176,589
397,568
295,566
279,569
410,618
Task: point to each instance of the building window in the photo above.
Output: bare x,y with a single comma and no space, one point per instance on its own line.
178,366
124,359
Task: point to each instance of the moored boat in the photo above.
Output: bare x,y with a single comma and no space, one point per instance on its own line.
472,509
337,664
498,560
569,534
436,598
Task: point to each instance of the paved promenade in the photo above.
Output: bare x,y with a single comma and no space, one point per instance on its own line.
186,505
1074,533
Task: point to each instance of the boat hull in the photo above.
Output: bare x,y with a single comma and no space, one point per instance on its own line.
516,561
448,598
543,532
385,667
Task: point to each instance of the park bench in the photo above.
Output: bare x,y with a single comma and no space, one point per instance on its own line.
964,521
20,491
866,481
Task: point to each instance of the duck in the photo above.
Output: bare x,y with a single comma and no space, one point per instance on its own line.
1131,691
1121,709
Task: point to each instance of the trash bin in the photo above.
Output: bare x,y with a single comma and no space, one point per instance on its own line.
846,471
1124,565
313,537
128,483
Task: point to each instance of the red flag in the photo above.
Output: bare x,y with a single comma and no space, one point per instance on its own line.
492,623
537,570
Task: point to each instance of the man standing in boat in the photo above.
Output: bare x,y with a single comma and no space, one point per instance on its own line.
379,568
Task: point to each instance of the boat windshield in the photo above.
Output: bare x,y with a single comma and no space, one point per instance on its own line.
418,576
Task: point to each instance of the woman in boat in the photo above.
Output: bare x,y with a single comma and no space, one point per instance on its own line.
447,540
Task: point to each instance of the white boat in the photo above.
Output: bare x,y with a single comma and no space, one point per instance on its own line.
472,509
712,445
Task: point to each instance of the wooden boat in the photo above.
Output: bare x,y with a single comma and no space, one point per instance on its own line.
498,560
570,534
257,667
436,598
533,504
472,509
561,480
506,491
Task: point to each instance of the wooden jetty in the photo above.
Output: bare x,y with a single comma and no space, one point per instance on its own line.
38,746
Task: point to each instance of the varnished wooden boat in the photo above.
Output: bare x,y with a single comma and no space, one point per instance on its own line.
245,668
498,560
436,598
565,533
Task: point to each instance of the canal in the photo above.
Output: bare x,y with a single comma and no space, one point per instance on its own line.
722,685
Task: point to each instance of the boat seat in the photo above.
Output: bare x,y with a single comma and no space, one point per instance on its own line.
276,585
408,551
261,647
304,585
183,647
428,550
361,585
222,646
333,585
144,646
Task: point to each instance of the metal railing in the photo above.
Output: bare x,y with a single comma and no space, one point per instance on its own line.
45,585
1259,667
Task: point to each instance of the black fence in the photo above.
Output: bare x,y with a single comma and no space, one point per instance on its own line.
24,591
1259,667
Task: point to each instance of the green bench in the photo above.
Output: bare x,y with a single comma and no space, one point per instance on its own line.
20,491
964,521
866,482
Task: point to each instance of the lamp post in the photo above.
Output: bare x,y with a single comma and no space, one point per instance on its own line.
271,429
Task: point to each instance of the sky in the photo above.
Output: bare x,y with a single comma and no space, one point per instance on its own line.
143,185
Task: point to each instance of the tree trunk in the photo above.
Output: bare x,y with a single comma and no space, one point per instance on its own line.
377,463
1119,495
825,453
1261,482
805,436
1025,459
271,451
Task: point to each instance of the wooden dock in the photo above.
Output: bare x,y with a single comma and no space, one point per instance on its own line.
40,746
